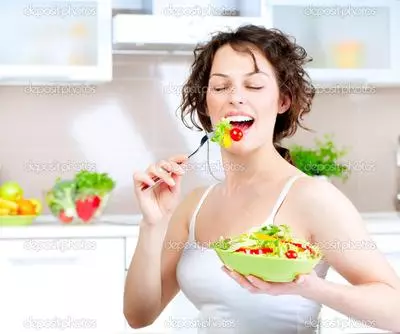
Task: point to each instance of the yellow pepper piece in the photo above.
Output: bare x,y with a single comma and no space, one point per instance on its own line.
262,236
227,141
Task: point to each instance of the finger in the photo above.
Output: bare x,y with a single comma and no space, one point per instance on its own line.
242,281
160,172
177,179
259,283
141,179
180,158
172,167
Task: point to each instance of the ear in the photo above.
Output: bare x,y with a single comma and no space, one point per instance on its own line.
284,104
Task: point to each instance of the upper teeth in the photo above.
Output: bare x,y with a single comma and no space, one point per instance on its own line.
239,118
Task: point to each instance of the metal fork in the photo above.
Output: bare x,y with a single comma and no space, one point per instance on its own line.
159,181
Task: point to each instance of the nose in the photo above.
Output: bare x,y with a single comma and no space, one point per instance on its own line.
236,97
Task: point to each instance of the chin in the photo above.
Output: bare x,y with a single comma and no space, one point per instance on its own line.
242,148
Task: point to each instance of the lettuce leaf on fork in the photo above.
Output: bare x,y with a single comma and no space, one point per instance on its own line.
221,132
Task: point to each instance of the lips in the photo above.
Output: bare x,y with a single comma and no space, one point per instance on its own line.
240,120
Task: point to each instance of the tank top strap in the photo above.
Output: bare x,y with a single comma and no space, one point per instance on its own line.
192,223
282,197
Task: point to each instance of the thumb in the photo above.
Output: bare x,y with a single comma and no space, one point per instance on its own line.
300,279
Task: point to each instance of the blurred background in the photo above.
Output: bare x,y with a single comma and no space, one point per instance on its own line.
95,85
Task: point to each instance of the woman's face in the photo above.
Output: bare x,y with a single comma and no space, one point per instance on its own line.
248,99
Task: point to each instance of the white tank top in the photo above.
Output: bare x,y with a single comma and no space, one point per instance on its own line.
225,307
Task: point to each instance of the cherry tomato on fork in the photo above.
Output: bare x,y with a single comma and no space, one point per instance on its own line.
236,134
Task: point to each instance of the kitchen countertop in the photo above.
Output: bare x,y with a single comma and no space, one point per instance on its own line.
46,226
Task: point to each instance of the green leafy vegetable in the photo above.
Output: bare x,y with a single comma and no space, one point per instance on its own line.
72,197
321,160
61,197
92,183
221,130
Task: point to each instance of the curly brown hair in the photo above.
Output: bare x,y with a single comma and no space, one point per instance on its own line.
286,57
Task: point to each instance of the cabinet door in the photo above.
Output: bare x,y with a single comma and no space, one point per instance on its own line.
338,35
62,286
55,41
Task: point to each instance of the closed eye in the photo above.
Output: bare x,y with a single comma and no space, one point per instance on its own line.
219,89
256,88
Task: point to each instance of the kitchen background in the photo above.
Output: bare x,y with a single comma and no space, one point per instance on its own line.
95,84
123,126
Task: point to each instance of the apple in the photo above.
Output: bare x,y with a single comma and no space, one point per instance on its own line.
11,191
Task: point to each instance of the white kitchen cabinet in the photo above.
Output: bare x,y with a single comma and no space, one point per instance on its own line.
352,41
49,41
165,25
62,285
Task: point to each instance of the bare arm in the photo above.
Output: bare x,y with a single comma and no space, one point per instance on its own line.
151,281
337,227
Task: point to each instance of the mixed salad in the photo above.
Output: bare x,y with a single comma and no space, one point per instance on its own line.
271,241
82,197
225,133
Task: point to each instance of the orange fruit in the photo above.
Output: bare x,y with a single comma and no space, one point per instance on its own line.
26,207
37,204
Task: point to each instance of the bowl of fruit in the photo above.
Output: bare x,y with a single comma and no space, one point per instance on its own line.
15,209
81,199
269,252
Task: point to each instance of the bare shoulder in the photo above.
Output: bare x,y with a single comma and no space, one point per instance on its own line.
338,228
322,206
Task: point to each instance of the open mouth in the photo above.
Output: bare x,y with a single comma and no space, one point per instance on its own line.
241,122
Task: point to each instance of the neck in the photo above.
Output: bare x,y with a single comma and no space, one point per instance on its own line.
263,164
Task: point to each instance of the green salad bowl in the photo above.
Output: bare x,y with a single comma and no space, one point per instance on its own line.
268,268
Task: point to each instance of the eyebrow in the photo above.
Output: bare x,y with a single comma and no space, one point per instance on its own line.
247,74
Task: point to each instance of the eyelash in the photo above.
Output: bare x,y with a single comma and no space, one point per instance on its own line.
250,87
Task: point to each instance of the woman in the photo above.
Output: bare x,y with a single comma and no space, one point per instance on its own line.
256,73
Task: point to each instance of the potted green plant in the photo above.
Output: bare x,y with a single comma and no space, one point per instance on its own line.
322,160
